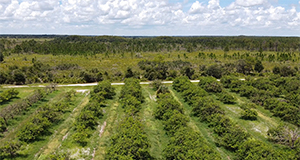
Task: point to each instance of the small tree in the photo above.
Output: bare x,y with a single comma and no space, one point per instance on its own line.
249,114
215,71
10,149
1,57
226,49
258,66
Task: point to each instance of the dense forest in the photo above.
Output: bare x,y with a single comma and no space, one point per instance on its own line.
90,45
156,57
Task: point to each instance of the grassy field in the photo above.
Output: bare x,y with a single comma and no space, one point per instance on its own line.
117,62
60,135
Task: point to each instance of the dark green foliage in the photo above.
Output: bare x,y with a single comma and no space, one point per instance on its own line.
2,125
33,129
188,144
215,70
284,71
247,91
92,112
188,71
166,104
129,73
258,66
184,143
130,141
210,84
175,121
131,96
107,91
205,108
159,69
249,114
81,135
8,94
228,81
226,98
192,92
180,83
244,66
1,57
80,45
154,69
132,87
254,149
220,123
10,149
233,137
131,104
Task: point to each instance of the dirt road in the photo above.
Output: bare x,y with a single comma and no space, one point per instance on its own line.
84,85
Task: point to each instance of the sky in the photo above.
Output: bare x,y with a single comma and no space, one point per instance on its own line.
151,17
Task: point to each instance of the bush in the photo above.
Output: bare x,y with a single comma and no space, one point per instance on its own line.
176,121
105,88
2,125
254,149
130,141
227,81
233,137
247,91
8,94
10,149
210,84
206,108
180,83
166,103
215,70
249,114
188,144
227,98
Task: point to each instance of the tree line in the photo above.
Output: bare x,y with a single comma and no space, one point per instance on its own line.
74,45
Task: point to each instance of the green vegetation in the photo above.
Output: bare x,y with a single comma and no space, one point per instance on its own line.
245,106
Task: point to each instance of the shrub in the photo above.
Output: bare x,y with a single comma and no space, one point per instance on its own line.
188,144
254,149
210,84
176,121
227,98
249,114
215,70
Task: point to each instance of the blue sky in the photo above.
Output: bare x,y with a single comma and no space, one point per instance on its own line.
151,17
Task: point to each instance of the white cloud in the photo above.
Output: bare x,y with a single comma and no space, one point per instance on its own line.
247,3
150,16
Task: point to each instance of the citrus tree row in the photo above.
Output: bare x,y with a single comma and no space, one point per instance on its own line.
280,95
36,126
184,142
229,134
10,111
211,85
130,141
92,112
